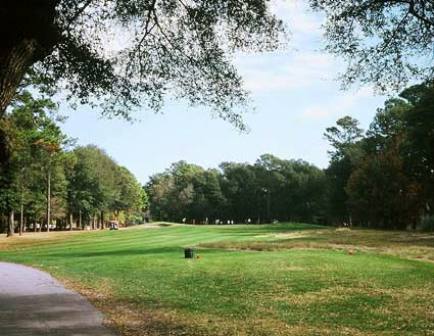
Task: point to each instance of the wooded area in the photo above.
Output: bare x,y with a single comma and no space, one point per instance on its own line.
381,178
52,184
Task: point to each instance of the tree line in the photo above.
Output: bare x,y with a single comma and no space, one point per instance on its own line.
382,177
269,189
52,184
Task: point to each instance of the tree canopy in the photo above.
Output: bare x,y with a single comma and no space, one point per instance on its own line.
53,184
271,188
125,53
382,177
386,42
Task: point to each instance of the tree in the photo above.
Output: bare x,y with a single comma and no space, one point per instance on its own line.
292,189
387,126
48,146
419,142
8,192
240,187
93,184
131,199
166,44
215,199
159,188
163,45
269,189
99,188
46,181
381,194
386,42
31,132
344,138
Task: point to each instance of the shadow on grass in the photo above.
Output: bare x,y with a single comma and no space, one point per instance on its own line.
179,251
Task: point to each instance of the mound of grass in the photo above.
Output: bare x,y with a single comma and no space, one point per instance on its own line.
286,279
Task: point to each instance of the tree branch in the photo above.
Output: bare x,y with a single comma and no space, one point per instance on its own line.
79,12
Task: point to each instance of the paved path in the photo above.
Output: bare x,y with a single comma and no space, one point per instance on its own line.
33,303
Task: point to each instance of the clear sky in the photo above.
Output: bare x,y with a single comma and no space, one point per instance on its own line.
295,93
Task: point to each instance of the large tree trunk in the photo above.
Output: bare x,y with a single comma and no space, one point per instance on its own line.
29,33
14,62
11,224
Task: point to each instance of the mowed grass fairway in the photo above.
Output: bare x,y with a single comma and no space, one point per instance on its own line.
286,279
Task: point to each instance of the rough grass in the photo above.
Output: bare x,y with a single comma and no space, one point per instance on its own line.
287,279
399,243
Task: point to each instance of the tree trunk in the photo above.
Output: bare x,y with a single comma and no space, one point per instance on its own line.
14,62
102,221
21,218
11,224
29,33
48,199
80,220
71,221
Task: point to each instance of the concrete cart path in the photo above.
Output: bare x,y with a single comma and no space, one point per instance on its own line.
33,303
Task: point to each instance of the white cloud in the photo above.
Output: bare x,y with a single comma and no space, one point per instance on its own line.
340,105
288,71
301,66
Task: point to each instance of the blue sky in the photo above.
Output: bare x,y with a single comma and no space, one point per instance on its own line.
295,93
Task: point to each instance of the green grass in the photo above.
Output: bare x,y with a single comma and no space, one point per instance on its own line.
286,279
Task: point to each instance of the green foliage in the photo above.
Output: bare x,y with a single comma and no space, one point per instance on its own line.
99,184
181,46
343,136
380,193
386,43
35,141
43,170
346,152
419,140
270,189
385,178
